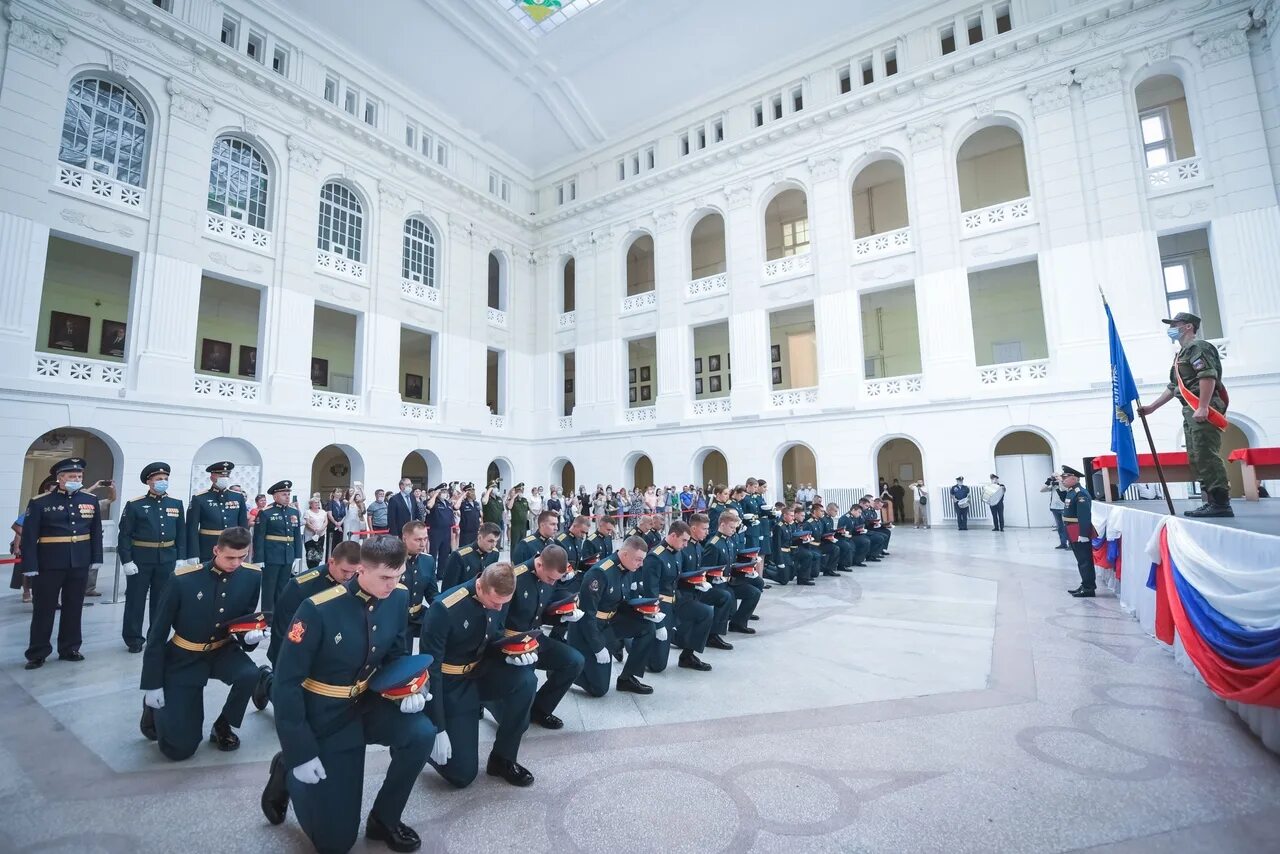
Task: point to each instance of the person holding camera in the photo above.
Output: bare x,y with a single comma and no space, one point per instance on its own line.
1053,486
920,504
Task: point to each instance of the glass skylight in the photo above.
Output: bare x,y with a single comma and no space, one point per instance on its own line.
539,17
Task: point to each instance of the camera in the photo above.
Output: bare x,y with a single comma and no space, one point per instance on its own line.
1051,480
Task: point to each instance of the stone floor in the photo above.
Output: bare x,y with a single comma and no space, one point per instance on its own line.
953,698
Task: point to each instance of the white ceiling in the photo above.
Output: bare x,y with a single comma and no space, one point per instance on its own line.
608,72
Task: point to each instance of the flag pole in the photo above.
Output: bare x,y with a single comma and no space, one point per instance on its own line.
1146,428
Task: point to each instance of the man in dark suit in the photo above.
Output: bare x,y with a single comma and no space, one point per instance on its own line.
402,509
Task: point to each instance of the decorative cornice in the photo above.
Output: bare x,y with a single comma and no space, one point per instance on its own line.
1049,94
1157,52
190,105
983,108
581,243
1223,43
665,220
391,197
1100,78
34,34
824,167
303,157
925,133
738,196
120,64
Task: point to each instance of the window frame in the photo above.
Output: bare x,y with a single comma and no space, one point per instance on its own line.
345,218
1166,123
419,252
254,208
1188,293
98,123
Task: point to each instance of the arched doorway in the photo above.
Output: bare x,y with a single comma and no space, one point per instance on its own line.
713,468
797,466
101,458
900,463
640,472
564,476
335,467
247,474
1023,461
422,467
500,471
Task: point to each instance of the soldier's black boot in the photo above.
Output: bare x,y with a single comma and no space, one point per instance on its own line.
1217,507
690,660
222,736
717,642
147,725
513,772
399,838
275,797
262,691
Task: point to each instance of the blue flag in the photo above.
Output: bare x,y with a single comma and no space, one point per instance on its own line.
1123,393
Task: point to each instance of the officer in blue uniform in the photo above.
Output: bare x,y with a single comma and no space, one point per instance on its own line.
608,621
469,561
61,542
277,543
457,632
152,537
441,520
717,595
688,623
198,606
751,507
468,516
722,550
212,511
1077,514
419,575
326,714
543,535
536,591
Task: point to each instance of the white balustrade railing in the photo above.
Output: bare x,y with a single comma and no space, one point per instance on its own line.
422,412
419,292
786,267
878,245
993,218
640,302
893,386
714,406
637,414
497,422
566,422
566,320
341,266
496,316
1014,372
100,187
90,372
234,231
225,388
1189,170
793,397
334,401
707,286
1222,344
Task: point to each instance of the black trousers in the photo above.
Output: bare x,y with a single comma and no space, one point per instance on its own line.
438,546
1084,563
47,588
997,515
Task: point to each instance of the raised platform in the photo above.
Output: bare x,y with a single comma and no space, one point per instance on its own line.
1261,517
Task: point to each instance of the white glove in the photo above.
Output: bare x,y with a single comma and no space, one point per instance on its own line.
154,698
523,660
193,561
655,618
568,575
257,636
702,587
1082,539
31,574
661,634
602,657
720,580
573,616
130,568
442,750
413,703
299,565
310,772
752,574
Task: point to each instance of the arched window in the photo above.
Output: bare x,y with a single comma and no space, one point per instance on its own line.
341,222
570,283
104,131
238,182
419,261
497,283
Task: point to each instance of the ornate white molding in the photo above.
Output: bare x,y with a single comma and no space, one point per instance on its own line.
707,286
635,414
983,108
995,217
120,63
713,406
1223,43
893,386
41,38
580,244
566,320
665,220
1100,78
1007,373
1049,94
880,245
89,372
645,301
459,229
738,196
925,133
420,292
1176,175
824,167
1157,52
190,105
334,402
419,412
101,189
303,157
788,267
496,317
234,231
391,197
225,388
793,397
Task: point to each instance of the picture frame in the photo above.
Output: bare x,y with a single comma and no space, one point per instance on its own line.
68,332
111,342
633,394
631,375
248,364
645,392
713,363
319,371
645,375
714,384
775,353
697,385
215,356
413,386
777,375
697,364
568,385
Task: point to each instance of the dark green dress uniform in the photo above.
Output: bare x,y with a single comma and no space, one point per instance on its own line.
277,543
152,534
335,642
464,675
876,530
719,597
596,546
688,621
197,605
1200,360
298,589
784,566
571,582
209,514
420,579
561,662
714,509
519,519
465,564
751,508
606,622
720,550
1077,514
856,534
529,547
61,539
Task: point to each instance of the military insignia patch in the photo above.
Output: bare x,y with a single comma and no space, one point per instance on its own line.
337,638
1198,364
200,595
296,631
595,584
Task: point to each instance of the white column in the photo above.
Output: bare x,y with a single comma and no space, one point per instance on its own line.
748,317
290,322
462,346
164,308
24,246
379,353
672,362
835,310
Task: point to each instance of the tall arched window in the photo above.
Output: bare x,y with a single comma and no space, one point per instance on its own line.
104,131
419,261
238,182
341,222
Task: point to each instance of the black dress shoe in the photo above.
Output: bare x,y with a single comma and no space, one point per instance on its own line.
744,630
513,772
873,559
1076,590
399,838
691,661
859,564
275,797
717,642
805,584
633,685
754,617
262,691
222,736
1064,548
147,726
34,664
885,554
74,655
1083,594
547,721
135,647
617,654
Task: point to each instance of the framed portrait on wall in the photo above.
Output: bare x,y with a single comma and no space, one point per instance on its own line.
215,356
631,375
697,364
645,392
111,343
775,353
777,375
714,385
633,394
68,332
413,386
713,363
319,371
644,374
697,385
248,366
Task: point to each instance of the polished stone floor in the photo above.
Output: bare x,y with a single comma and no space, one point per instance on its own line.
953,698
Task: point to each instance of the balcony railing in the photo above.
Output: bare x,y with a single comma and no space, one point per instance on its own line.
1011,373
993,218
100,187
87,372
333,401
880,245
234,231
421,292
496,316
1175,175
497,422
225,388
788,266
341,266
714,406
707,286
793,397
637,414
893,386
640,302
566,320
420,412
1222,345
565,423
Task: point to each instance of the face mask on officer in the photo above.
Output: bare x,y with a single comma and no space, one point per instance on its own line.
73,485
160,487
222,482
1174,333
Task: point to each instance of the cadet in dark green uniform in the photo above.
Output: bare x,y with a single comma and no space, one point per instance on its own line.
519,507
212,511
526,548
688,623
152,537
608,621
722,550
198,605
536,590
419,575
717,595
1196,380
599,545
1078,517
336,641
277,543
468,562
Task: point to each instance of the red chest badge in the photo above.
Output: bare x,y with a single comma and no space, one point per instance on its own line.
296,631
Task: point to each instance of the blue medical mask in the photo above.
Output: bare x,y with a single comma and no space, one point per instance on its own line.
73,485
160,487
408,490
1174,333
222,482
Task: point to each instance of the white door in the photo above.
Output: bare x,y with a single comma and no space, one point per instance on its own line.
1023,475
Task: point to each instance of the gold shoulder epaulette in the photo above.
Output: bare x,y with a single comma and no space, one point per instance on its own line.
138,498
606,564
254,567
560,538
530,538
201,492
659,550
716,538
325,595
183,570
401,587
520,570
455,597
309,576
465,550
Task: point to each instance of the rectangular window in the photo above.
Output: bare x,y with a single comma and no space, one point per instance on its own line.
560,195
1157,141
228,35
280,61
890,62
1179,286
649,159
411,136
635,164
795,236
573,190
684,144
702,138
868,72
622,170
371,112
947,39
350,102
777,107
165,5
493,184
426,145
797,99
973,25
331,90
506,190
442,154
253,46
717,131
846,81
759,115
1004,18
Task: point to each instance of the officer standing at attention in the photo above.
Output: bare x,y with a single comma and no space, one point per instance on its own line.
277,543
468,516
609,621
716,595
152,537
1196,380
464,674
960,495
199,606
544,535
419,575
469,561
688,617
325,714
61,542
212,511
1078,516
536,590
519,507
